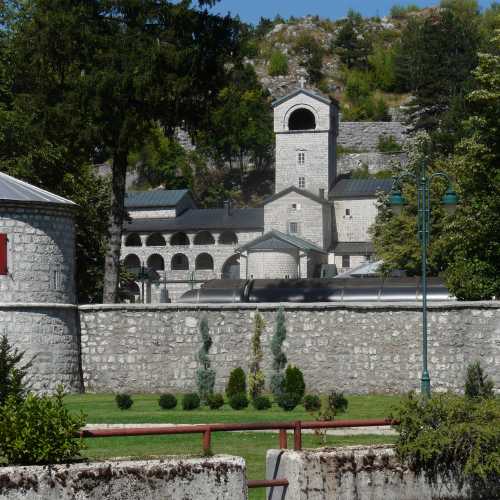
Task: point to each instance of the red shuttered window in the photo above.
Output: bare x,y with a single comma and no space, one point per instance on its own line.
3,254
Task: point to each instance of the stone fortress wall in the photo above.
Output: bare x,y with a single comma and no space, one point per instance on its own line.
358,348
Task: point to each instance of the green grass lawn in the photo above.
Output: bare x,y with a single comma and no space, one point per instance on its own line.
101,408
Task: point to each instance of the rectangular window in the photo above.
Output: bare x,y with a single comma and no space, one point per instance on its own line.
3,254
346,261
348,211
293,227
302,182
295,207
301,158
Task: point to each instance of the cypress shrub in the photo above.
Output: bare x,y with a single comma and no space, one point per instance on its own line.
237,383
205,376
261,403
279,357
294,382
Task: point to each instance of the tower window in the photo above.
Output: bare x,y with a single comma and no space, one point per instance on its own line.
301,158
302,182
295,207
293,227
348,211
346,261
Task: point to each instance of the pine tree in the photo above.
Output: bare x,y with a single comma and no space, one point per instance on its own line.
256,377
279,357
12,373
205,375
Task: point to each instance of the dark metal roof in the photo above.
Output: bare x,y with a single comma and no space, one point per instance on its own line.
353,247
276,240
303,192
347,188
156,198
309,93
203,218
12,189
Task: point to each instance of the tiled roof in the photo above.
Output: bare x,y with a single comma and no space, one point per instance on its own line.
156,198
203,218
353,247
276,240
346,188
12,189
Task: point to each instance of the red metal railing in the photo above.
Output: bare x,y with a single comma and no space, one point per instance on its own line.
207,429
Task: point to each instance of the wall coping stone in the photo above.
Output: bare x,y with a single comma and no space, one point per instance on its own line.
290,306
36,305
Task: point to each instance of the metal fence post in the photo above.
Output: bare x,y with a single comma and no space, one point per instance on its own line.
283,439
297,436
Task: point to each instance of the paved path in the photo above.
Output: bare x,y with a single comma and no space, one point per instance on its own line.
380,430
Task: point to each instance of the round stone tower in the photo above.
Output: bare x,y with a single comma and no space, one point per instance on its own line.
37,282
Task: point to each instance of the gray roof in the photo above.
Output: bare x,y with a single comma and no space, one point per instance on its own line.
303,192
309,93
276,240
12,189
347,188
353,247
203,218
156,198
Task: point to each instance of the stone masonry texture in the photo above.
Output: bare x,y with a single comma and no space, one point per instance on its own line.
215,478
356,348
364,136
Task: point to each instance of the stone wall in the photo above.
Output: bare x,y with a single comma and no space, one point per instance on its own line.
352,473
47,332
364,136
216,478
375,162
357,348
353,218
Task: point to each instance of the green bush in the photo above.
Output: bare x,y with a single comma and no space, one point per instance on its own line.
382,62
261,403
388,144
167,401
191,401
477,384
288,401
12,373
38,430
294,382
238,401
237,383
312,402
452,438
278,64
124,401
215,401
358,86
401,11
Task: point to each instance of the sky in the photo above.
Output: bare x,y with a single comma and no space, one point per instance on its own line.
250,11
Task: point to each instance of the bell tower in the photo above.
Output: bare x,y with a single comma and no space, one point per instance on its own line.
306,129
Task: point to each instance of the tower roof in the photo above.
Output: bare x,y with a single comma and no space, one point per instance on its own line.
309,93
15,190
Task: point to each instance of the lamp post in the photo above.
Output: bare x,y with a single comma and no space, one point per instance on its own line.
397,201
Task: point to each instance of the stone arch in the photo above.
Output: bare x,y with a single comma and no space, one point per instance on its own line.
179,239
179,262
231,268
204,262
131,261
156,262
133,240
228,238
204,238
155,240
301,119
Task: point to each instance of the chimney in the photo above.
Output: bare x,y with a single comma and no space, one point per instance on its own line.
227,207
322,193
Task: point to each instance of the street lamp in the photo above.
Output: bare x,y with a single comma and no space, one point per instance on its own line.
449,202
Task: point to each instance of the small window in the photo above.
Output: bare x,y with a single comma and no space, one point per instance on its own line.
3,254
293,227
295,207
301,158
347,212
346,261
302,182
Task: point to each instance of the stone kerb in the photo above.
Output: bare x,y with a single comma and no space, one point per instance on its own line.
351,472
216,478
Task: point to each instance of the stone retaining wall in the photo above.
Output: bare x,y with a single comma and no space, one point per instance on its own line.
216,478
357,348
364,136
375,162
351,473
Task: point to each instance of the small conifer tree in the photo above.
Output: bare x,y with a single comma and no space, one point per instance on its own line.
279,357
477,383
12,372
256,377
237,383
205,375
